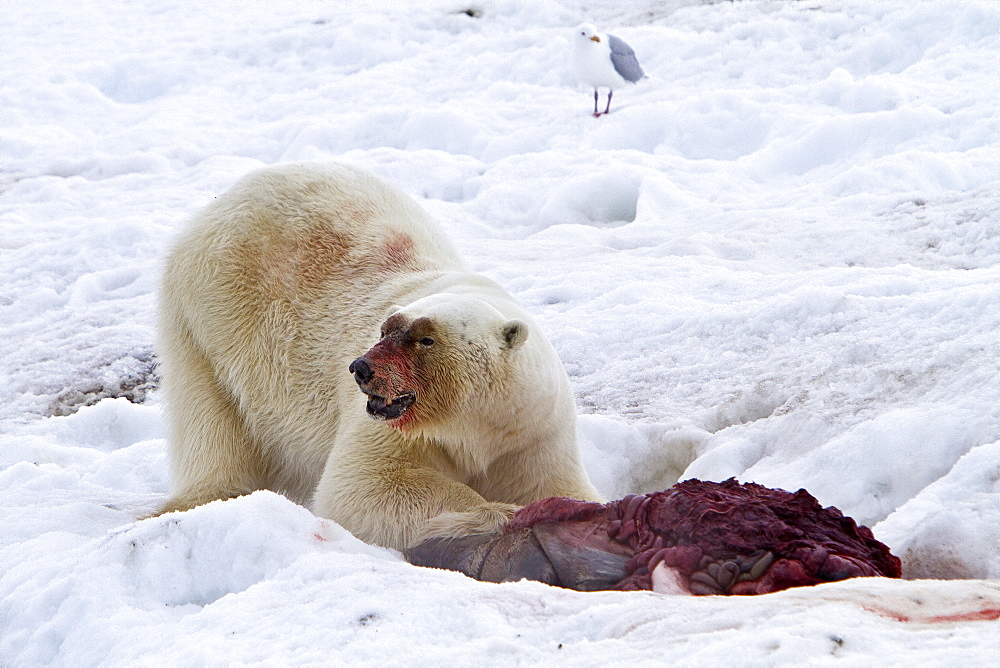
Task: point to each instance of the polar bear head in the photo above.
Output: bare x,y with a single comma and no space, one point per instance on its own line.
440,357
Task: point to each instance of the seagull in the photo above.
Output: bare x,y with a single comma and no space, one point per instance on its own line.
603,61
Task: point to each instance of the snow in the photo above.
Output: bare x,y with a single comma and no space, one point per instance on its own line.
778,258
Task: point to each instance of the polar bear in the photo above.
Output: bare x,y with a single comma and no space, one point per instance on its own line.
321,337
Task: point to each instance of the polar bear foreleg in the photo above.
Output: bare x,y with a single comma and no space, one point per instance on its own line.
397,503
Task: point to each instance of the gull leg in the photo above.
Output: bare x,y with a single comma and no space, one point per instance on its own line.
596,113
609,101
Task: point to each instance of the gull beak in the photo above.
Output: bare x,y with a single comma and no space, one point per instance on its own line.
595,38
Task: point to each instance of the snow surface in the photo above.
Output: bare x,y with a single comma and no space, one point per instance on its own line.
777,259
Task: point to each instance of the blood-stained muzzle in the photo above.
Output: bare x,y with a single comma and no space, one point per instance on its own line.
385,374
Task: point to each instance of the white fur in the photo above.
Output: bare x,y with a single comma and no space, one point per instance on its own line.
267,298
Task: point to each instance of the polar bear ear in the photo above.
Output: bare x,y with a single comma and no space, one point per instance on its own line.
514,333
393,310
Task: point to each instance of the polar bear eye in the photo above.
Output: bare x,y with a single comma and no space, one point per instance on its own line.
427,342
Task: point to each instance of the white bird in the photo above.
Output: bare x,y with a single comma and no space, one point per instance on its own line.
604,61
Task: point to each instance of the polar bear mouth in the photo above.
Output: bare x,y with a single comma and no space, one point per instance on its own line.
389,409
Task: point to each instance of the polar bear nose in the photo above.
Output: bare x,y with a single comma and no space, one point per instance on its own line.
362,372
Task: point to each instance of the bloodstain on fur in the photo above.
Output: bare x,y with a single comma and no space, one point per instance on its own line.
397,253
394,371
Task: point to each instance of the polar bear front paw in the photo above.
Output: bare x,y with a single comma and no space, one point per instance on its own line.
488,518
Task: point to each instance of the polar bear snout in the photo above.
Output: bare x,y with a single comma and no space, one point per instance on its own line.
363,373
387,399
